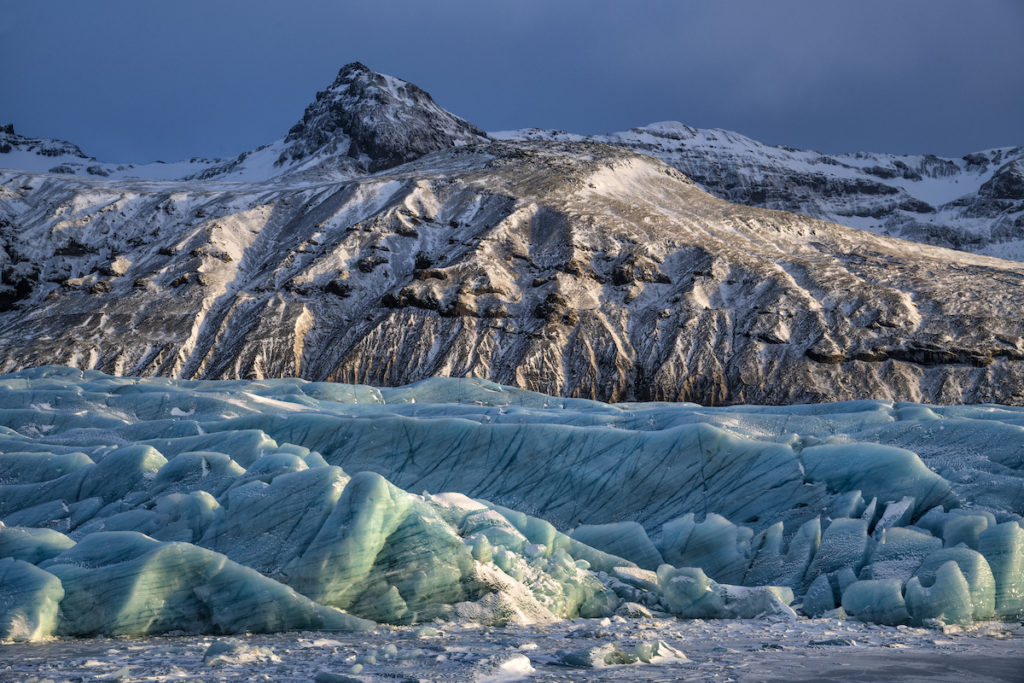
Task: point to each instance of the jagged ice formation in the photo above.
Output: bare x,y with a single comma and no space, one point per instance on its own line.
137,507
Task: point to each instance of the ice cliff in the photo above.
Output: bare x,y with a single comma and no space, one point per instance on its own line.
148,506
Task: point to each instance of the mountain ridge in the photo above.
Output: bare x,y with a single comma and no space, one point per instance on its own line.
974,203
571,267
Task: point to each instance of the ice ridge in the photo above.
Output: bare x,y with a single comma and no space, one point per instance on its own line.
143,506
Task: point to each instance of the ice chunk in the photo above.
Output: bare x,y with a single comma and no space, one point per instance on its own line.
802,548
482,550
424,564
174,517
963,529
1003,547
231,652
897,514
29,598
976,572
881,472
947,597
844,544
898,553
641,578
658,652
504,668
32,545
820,597
199,470
849,504
338,562
245,446
123,470
878,600
273,465
633,610
596,657
185,517
29,468
717,546
125,583
689,593
266,526
624,539
506,602
766,567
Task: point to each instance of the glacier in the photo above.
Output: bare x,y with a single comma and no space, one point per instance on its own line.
134,507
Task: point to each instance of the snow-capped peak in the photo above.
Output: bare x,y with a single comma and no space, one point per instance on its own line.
380,120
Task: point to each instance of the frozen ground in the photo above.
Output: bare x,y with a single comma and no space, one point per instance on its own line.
721,650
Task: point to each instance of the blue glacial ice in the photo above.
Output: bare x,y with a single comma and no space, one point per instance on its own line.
136,507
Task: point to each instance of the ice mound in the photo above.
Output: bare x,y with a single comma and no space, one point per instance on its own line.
137,507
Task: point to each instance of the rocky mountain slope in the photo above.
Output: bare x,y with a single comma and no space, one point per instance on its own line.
572,268
974,203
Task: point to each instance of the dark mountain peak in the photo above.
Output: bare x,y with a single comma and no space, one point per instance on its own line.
45,147
378,120
353,67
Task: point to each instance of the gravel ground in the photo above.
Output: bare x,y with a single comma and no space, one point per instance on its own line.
593,650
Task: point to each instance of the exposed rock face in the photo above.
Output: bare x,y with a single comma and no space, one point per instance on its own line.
381,120
1007,183
11,141
975,203
571,268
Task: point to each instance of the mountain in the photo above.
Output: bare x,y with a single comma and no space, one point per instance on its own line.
18,151
380,120
974,203
363,122
572,268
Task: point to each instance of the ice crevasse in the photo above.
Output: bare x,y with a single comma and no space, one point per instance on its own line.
144,506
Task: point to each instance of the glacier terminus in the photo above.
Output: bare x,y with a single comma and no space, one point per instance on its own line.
395,396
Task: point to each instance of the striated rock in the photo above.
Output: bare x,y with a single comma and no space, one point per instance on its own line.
541,285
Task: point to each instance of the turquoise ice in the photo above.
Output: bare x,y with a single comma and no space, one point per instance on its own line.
137,506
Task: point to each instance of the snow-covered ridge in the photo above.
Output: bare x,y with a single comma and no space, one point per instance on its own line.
974,203
136,507
574,268
365,121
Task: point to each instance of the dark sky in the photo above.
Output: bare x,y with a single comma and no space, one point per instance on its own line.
137,80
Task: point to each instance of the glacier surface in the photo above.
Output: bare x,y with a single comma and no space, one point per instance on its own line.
133,507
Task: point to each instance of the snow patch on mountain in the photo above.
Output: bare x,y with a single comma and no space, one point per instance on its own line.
924,198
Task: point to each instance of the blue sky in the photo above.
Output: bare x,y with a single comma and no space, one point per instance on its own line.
137,80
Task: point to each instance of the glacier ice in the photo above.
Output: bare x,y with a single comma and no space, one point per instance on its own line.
125,583
29,599
147,506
